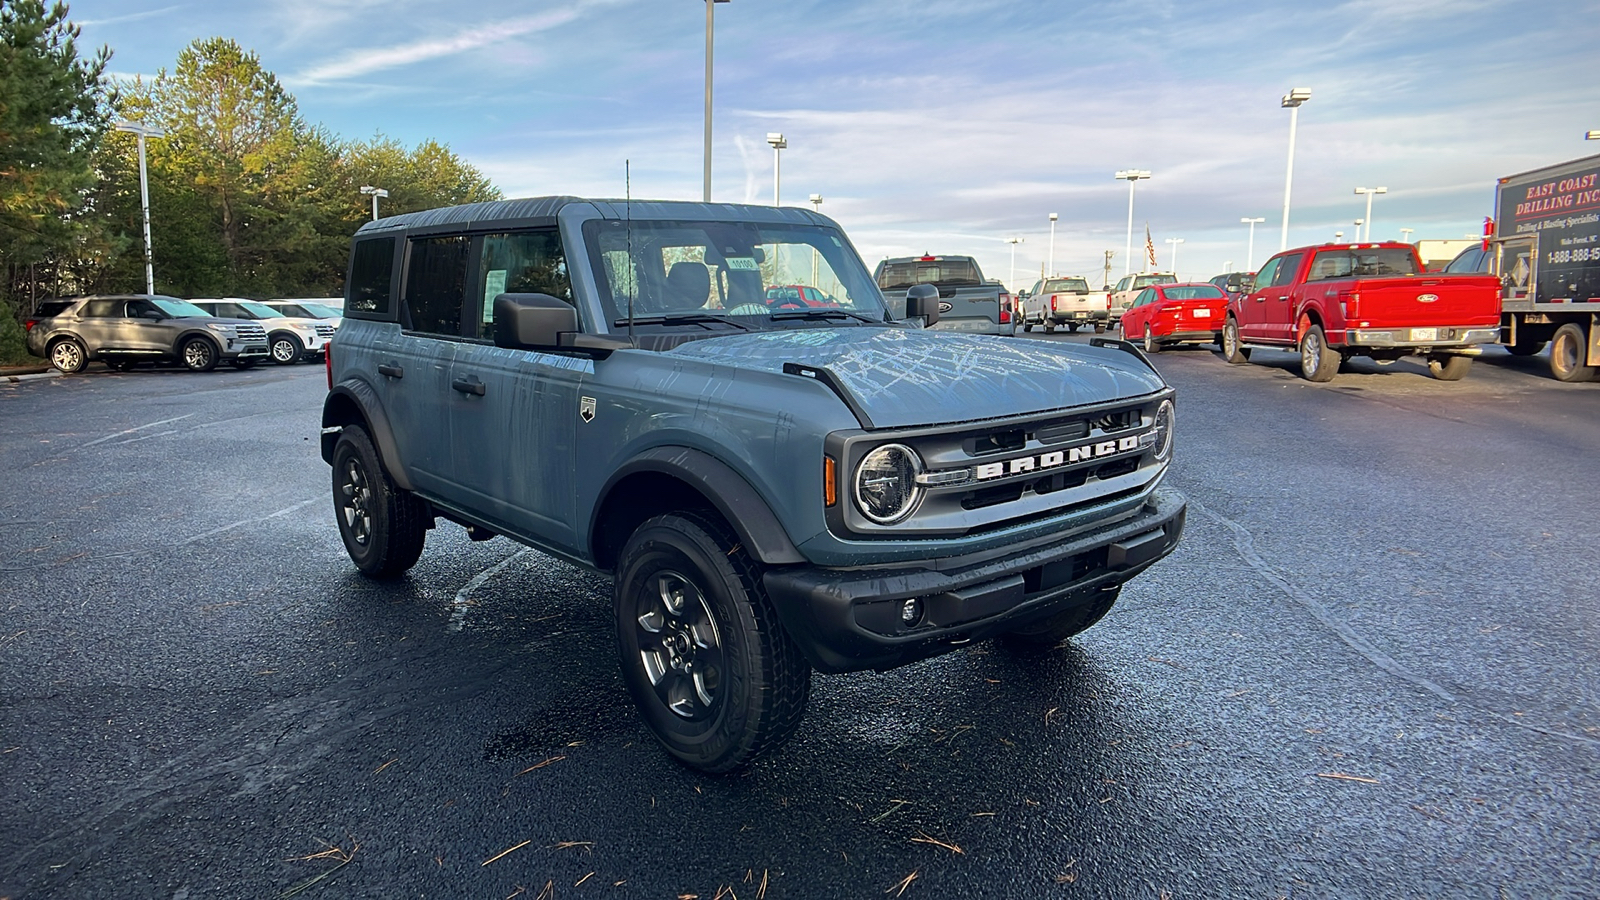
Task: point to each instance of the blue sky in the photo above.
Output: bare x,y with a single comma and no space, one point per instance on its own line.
948,126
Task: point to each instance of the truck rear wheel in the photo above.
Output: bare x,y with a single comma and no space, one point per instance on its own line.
1049,327
383,526
1450,368
1231,351
709,666
1569,349
1318,363
1054,630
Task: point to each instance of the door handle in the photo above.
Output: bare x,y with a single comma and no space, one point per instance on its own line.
1284,297
469,386
391,371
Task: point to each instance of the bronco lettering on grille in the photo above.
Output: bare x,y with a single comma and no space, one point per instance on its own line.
1024,464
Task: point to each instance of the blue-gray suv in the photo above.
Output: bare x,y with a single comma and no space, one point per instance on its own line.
773,488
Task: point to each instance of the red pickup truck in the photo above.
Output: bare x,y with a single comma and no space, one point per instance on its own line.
1335,301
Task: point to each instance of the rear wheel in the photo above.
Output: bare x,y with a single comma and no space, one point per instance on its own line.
286,349
1450,368
710,668
1569,349
199,355
1151,345
69,356
1318,363
1099,329
1027,326
1049,327
383,526
1231,351
1061,626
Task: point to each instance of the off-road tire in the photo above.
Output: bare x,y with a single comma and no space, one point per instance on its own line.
761,681
1231,351
1450,368
1151,345
383,526
1054,630
285,349
1569,348
1318,362
68,356
198,354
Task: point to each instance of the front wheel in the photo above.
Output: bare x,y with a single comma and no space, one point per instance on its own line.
1057,628
1450,368
199,355
712,671
1027,326
1099,329
1151,345
286,349
1569,350
1318,363
382,525
1231,349
69,356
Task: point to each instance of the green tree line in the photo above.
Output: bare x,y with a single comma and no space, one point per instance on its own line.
246,197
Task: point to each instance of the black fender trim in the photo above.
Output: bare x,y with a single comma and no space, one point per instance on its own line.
366,402
733,496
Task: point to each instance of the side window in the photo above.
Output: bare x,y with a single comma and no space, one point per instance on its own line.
529,262
436,284
371,273
1264,276
1145,296
101,309
1287,267
137,308
1123,284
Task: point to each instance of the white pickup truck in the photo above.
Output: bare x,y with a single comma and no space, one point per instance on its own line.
1068,301
1129,287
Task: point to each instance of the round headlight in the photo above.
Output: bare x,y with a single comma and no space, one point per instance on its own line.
886,483
1165,417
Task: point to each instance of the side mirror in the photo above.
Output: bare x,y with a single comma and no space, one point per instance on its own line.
922,301
532,321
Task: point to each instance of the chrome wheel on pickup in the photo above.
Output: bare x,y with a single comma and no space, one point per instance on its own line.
1318,363
1231,350
709,666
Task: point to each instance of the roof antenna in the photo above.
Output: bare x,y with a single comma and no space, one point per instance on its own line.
627,207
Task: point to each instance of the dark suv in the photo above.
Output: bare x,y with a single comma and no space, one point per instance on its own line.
127,329
773,490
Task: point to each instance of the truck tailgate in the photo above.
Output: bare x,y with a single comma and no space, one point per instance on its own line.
1406,302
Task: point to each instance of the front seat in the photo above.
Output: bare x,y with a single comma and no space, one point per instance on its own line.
688,287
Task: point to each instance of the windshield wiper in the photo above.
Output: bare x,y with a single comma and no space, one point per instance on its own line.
685,319
824,314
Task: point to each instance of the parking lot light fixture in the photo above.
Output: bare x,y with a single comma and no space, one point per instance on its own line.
1338,237
1227,265
1011,278
711,18
1405,234
1250,250
816,207
1591,135
775,138
1369,192
142,131
1292,101
1355,236
1132,176
376,192
1174,242
1052,258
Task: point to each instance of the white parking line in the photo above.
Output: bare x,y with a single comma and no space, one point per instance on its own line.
458,613
229,527
132,430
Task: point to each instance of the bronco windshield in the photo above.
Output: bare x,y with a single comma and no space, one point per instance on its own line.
696,273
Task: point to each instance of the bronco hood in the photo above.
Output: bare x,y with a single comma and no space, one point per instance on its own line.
908,377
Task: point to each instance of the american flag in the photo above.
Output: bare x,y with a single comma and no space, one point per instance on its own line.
1149,247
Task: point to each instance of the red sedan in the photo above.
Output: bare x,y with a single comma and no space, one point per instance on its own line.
1176,313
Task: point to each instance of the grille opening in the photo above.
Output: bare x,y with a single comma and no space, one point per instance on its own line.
997,442
1062,431
1005,493
1121,420
1114,469
1060,481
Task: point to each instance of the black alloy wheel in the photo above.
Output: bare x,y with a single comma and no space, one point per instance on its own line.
383,526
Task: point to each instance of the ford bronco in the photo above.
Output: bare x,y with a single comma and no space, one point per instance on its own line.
772,490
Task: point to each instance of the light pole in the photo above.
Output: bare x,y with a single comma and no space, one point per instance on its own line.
1131,176
1591,135
1052,264
1355,236
142,131
376,192
1012,277
1369,192
1338,236
775,138
1291,102
1250,249
816,207
1405,234
711,18
1174,242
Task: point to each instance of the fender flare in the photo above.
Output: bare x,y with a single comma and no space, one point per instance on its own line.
357,393
739,503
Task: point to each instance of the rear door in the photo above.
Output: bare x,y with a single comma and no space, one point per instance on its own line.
514,414
415,361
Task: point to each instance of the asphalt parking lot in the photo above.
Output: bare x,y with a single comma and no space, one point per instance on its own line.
1369,670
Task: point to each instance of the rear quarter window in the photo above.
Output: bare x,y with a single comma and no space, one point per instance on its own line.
51,308
369,288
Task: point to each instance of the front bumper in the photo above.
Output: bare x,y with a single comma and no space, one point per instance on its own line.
1176,336
1439,337
846,620
237,349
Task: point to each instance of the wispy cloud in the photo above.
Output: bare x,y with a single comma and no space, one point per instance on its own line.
365,62
130,17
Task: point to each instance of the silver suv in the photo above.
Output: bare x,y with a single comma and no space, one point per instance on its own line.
290,337
124,330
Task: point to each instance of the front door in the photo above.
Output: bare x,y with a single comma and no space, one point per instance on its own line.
1279,312
514,414
1250,311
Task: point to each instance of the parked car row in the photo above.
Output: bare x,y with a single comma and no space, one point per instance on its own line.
125,330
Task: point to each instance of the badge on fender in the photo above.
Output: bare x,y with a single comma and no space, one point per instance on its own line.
586,409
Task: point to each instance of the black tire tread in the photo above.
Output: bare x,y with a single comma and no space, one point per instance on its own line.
408,517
